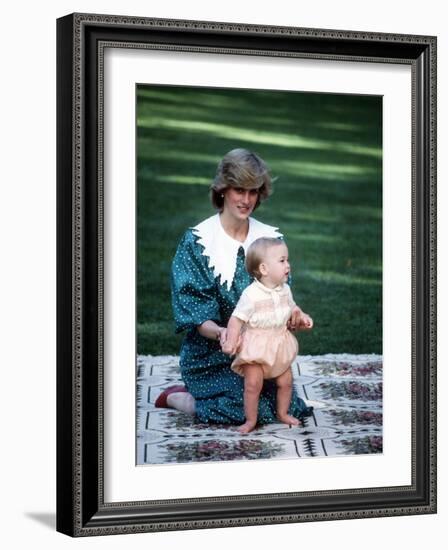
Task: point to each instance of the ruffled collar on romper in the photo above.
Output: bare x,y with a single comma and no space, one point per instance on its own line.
222,250
268,290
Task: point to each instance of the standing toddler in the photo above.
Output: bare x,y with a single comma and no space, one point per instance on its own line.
257,331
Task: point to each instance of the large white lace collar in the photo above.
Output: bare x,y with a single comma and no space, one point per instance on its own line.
222,250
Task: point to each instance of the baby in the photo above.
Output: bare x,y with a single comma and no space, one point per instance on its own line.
257,332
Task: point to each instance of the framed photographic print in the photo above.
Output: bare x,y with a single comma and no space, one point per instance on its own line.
329,139
179,131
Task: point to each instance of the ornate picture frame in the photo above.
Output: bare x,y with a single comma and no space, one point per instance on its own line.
81,506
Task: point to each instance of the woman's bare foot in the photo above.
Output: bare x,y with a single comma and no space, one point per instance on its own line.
247,427
288,419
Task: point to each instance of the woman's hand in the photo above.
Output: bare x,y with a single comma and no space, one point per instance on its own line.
299,320
209,329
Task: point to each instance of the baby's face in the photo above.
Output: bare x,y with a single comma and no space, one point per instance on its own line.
277,264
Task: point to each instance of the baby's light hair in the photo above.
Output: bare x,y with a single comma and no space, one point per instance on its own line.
256,254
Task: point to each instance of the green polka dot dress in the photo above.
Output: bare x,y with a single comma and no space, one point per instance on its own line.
198,296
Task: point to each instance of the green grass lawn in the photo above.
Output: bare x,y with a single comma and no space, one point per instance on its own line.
325,151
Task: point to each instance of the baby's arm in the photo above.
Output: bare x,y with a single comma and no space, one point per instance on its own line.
241,314
298,320
230,346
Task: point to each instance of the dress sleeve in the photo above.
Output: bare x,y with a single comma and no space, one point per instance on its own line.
244,308
193,290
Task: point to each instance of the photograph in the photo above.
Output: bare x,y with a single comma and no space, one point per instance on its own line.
259,274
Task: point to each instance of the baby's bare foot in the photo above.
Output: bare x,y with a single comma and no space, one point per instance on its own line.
288,419
246,427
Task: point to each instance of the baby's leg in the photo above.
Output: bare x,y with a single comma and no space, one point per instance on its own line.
253,383
284,391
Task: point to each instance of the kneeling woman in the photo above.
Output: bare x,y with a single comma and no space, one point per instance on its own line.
208,277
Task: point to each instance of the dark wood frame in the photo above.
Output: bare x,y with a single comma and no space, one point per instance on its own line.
81,39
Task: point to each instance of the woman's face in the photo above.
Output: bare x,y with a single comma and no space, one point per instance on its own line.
239,202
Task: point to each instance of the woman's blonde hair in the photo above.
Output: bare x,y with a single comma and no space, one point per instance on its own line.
240,168
256,254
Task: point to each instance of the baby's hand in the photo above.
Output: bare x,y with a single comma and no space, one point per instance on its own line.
306,323
230,348
299,320
294,320
222,336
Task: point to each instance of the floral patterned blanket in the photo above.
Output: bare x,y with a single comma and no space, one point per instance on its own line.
345,390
